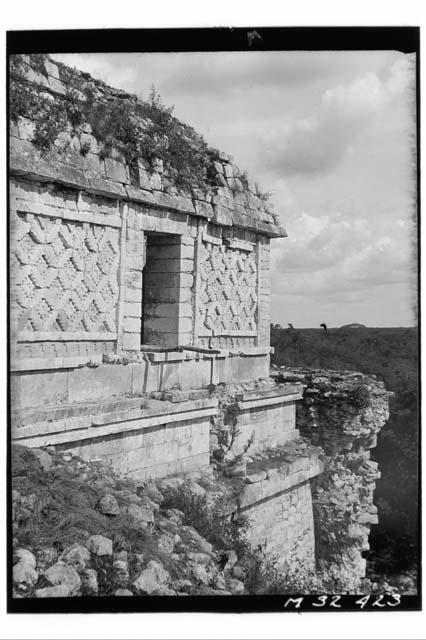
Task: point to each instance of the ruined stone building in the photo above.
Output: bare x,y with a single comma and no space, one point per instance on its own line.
139,327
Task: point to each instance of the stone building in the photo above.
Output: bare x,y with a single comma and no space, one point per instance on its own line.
139,328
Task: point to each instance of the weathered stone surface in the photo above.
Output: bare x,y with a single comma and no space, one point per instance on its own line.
57,86
153,493
183,585
166,544
176,515
29,501
231,276
219,582
76,556
223,215
199,558
140,514
89,582
228,170
108,505
231,559
204,590
196,489
37,239
236,586
164,591
120,572
116,170
99,545
220,180
25,556
58,591
252,478
47,556
44,458
170,483
198,541
146,503
200,574
106,188
62,574
153,577
237,470
239,573
24,575
51,69
131,341
143,176
203,209
89,143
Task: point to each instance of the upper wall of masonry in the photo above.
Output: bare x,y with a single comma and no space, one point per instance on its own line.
70,129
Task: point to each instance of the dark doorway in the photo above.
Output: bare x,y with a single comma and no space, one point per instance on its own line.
160,293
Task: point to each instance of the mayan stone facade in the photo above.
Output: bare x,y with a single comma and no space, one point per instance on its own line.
283,526
140,318
108,259
68,276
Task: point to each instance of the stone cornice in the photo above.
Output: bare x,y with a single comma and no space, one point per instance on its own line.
230,204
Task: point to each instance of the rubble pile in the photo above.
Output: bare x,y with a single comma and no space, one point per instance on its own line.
80,529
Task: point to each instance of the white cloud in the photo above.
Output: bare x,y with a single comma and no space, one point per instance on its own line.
368,94
364,96
336,270
316,144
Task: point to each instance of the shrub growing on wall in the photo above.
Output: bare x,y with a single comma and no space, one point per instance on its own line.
138,129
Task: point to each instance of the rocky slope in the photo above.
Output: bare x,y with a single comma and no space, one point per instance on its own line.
79,529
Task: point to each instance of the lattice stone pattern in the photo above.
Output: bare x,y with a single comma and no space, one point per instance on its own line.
228,290
64,275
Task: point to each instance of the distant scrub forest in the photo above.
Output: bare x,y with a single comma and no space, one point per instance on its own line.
391,354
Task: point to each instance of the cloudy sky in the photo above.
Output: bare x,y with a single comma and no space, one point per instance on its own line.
332,136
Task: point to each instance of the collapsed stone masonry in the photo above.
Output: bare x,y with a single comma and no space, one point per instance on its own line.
342,412
140,332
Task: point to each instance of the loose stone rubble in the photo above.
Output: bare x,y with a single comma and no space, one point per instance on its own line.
176,559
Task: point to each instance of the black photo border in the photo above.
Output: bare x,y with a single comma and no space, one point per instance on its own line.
404,39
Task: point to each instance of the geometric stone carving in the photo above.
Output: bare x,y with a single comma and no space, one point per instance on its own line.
64,275
228,290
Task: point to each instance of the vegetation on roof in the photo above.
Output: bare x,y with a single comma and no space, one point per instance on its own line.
138,129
